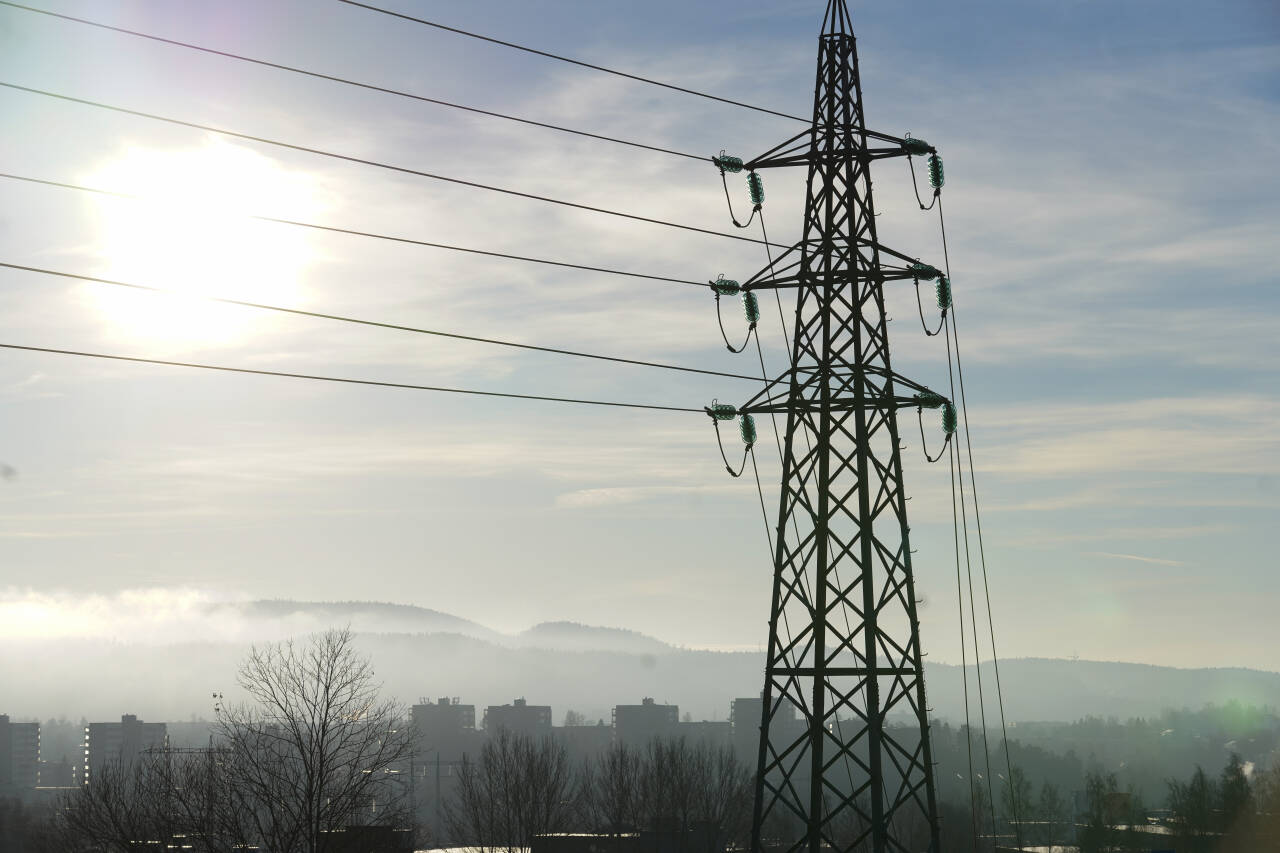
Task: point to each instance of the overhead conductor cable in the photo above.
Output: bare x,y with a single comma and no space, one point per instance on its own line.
577,62
345,381
376,164
370,234
378,324
347,82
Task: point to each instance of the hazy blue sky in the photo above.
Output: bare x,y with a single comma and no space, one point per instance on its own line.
1113,218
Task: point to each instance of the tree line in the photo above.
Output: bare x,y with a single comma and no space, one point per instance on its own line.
696,794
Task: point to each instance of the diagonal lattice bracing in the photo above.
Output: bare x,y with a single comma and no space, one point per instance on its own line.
844,646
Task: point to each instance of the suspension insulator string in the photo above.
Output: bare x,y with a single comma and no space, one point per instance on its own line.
727,163
943,292
913,145
727,286
723,412
920,306
915,186
751,307
930,400
936,176
928,272
949,418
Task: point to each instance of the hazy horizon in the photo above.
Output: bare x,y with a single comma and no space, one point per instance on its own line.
160,616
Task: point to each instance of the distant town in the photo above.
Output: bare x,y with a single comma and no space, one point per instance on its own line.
33,765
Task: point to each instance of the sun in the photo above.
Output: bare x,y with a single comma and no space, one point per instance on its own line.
191,234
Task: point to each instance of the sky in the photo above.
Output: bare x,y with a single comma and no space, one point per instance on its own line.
1111,215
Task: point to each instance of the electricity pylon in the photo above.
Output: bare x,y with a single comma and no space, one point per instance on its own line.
844,640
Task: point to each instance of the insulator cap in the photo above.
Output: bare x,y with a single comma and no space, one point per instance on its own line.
755,186
748,429
725,286
723,411
944,292
948,418
936,177
751,306
728,163
925,271
912,145
930,400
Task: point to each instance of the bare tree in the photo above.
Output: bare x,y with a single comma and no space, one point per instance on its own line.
315,751
1016,802
128,806
517,789
668,785
1052,816
723,793
611,786
693,791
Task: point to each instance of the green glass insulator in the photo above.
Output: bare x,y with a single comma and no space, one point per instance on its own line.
925,271
723,411
935,171
929,400
948,418
728,163
751,306
915,146
944,292
725,286
755,186
748,429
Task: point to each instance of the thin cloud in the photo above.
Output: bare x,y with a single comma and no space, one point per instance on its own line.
1137,558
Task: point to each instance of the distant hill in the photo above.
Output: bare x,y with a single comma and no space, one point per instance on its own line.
419,652
1052,689
575,637
283,616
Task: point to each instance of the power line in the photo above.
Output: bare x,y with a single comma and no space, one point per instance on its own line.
571,61
977,517
375,163
371,234
374,323
347,82
344,381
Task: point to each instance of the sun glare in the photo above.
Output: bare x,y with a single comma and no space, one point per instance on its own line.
191,235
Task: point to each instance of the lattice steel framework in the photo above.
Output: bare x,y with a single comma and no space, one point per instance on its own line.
844,641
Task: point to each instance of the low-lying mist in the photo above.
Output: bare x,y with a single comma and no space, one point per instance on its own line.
163,653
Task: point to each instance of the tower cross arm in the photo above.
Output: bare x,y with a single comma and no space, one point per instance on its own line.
772,399
785,271
799,150
869,402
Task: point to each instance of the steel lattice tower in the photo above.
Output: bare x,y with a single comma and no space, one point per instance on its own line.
844,642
